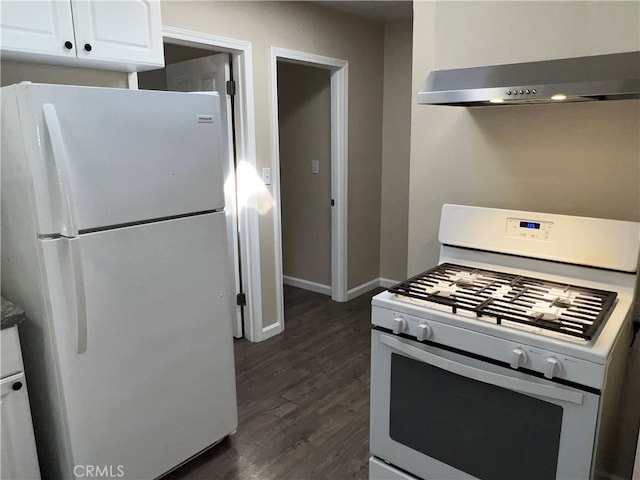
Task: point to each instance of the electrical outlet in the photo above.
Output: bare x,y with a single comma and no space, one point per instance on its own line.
315,166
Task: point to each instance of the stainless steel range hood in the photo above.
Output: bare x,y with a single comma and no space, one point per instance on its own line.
601,77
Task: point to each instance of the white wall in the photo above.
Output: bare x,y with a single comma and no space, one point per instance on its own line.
579,159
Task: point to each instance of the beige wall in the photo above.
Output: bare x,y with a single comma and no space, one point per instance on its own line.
304,118
396,134
16,72
577,159
471,33
306,27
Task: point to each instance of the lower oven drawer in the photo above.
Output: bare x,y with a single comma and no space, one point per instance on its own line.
440,414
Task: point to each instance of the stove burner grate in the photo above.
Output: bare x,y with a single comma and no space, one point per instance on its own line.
568,309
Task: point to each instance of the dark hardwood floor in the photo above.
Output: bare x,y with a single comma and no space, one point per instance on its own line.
303,398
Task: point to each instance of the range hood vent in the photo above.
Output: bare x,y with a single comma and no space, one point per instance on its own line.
601,77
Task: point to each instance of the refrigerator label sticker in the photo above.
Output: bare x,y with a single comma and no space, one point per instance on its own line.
205,118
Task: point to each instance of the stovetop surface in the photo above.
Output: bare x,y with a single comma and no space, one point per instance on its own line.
567,309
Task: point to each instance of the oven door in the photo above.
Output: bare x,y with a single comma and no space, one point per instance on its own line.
439,414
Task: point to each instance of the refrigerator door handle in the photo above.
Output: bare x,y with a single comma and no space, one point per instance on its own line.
79,289
61,160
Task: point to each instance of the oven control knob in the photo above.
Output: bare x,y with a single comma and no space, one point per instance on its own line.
518,358
423,332
399,325
551,367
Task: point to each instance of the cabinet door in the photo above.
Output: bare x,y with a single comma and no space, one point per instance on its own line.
19,459
41,27
124,32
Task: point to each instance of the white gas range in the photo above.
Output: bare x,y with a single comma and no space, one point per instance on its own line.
507,359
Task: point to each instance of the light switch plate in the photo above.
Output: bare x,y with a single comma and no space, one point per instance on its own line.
315,166
266,176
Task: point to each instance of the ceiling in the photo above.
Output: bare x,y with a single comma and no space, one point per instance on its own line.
377,11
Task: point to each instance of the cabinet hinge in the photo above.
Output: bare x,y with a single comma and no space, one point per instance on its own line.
241,299
231,87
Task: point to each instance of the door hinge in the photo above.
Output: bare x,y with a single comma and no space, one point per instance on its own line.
231,87
241,299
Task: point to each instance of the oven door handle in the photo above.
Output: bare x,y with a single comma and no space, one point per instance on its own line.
491,378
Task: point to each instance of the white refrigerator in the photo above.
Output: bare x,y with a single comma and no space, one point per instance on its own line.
114,243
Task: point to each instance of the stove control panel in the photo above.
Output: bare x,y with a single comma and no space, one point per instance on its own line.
513,353
529,229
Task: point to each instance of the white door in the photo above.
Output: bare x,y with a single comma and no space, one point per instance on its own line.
43,27
153,382
211,74
120,31
134,155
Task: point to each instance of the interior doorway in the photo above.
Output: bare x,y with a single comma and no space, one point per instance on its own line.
304,125
338,71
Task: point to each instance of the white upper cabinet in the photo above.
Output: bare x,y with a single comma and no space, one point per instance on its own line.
121,35
37,28
125,32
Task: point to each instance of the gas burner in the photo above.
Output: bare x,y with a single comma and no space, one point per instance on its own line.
561,303
465,279
566,309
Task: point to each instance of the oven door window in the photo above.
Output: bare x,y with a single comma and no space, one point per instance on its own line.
484,430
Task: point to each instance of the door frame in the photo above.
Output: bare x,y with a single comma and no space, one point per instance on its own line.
339,161
244,120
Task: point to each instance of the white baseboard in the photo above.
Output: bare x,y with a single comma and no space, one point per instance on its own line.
271,331
370,285
326,289
387,282
307,285
364,288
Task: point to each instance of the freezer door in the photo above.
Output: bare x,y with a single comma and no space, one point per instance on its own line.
101,157
155,383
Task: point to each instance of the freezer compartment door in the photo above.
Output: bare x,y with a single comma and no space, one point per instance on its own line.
154,383
101,157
